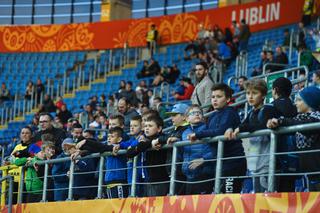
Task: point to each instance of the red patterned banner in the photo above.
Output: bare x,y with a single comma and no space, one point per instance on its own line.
260,203
172,29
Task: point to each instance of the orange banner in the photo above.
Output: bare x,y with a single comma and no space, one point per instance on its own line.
172,29
259,203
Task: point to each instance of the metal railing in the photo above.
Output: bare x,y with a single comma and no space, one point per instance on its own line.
163,91
9,193
271,174
242,64
266,65
216,71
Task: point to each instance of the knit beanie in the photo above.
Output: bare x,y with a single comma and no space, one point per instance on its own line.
311,97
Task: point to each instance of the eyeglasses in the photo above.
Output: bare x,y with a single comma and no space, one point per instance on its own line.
193,113
43,122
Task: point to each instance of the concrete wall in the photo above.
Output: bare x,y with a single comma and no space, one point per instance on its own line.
119,9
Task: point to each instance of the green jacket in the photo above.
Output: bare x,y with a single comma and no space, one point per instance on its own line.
306,58
33,183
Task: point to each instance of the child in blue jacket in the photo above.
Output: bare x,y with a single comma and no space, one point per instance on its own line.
135,132
116,168
195,165
225,117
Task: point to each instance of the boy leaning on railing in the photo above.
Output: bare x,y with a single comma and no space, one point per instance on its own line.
308,105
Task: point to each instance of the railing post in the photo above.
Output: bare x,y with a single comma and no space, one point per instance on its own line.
19,108
9,114
299,59
52,90
79,76
41,98
291,45
113,63
64,83
21,182
237,65
15,104
24,107
105,67
2,154
48,86
110,61
83,79
272,162
217,181
35,101
68,86
246,65
73,85
70,191
173,170
10,193
90,77
136,56
100,180
45,183
134,177
2,116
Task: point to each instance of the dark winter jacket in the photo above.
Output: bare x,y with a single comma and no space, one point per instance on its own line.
285,107
154,157
218,123
85,181
306,140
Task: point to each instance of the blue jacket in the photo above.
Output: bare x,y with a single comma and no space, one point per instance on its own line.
133,142
224,51
59,171
218,123
116,162
192,152
88,179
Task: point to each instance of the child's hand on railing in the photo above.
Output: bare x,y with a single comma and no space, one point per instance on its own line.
196,163
273,123
155,144
231,134
115,150
74,155
192,137
228,134
80,144
172,140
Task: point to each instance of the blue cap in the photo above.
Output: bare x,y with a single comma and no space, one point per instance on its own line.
178,109
311,97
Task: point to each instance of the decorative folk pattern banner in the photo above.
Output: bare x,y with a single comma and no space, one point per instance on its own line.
233,203
172,29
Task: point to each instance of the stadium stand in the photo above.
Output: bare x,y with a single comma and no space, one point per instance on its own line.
62,160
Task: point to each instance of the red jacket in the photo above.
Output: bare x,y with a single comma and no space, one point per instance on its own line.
187,93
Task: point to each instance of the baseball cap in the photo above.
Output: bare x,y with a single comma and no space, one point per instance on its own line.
178,109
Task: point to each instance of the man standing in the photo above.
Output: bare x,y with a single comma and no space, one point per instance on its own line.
46,127
202,92
152,37
244,36
128,112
